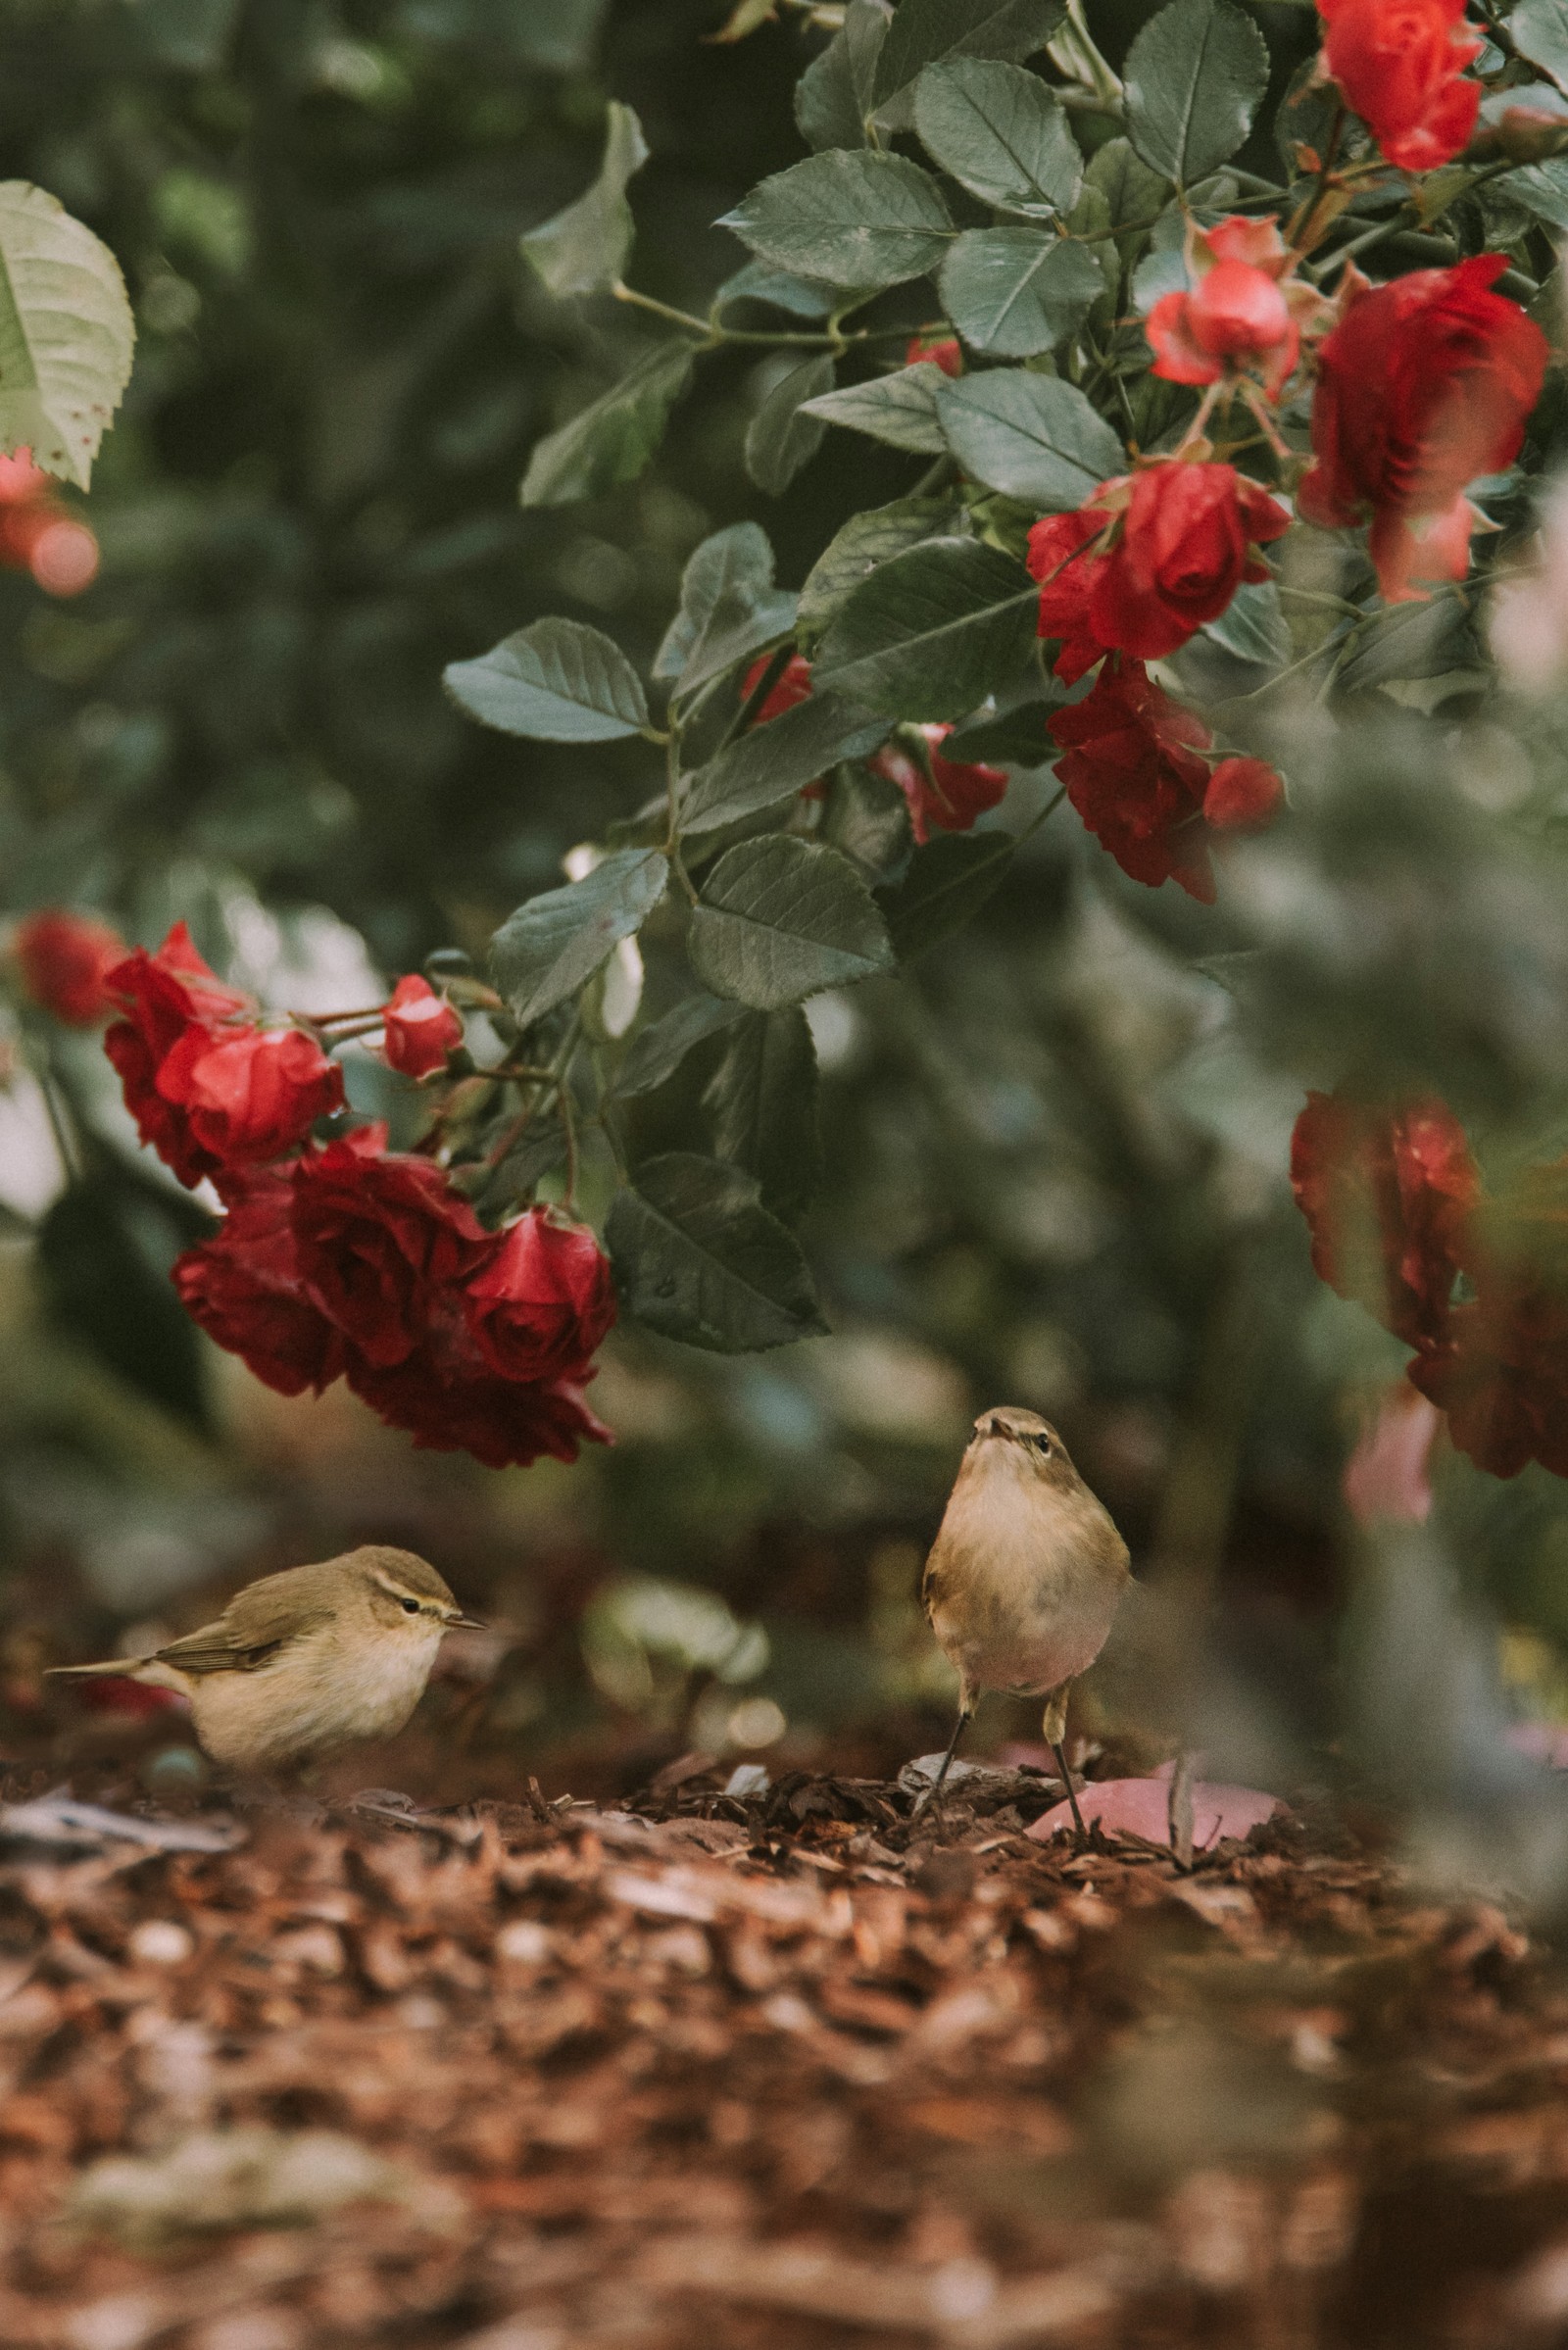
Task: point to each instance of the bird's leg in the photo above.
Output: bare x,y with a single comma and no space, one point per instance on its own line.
1055,1726
965,1713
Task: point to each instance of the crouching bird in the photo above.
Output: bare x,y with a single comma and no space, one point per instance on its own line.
1024,1577
305,1661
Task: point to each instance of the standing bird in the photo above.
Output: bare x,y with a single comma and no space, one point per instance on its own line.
305,1661
1024,1576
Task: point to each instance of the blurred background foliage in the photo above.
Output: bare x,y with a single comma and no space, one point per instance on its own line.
1056,1156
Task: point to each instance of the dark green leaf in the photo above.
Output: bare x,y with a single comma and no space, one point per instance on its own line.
772,762
833,96
698,1257
103,1255
1001,132
762,1099
538,1152
781,919
930,631
557,681
866,540
657,1050
1032,437
542,953
611,442
928,32
802,297
1539,30
1193,78
729,607
1134,194
585,249
1413,641
866,819
1541,188
1018,291
1252,626
1014,737
900,409
854,218
949,880
782,437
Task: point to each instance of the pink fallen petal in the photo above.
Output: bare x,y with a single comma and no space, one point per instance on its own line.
1142,1807
1544,1742
1388,1475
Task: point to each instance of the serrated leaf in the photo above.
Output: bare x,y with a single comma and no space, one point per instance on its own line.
866,819
1017,291
854,218
584,249
899,409
947,882
698,1257
1252,627
1014,737
833,96
761,1102
66,333
785,434
929,633
557,681
1001,132
1541,188
1193,80
657,1050
802,297
1133,193
729,608
1538,29
866,540
1033,437
772,762
782,918
609,443
928,32
544,953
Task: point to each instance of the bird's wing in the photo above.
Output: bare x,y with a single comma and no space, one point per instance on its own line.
930,1585
257,1624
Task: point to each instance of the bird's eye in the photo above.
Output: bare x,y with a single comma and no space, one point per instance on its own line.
411,1607
1041,1444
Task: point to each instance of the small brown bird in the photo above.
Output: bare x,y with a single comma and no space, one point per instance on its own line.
305,1661
1024,1576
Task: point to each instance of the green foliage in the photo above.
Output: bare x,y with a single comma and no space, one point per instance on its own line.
729,608
585,249
930,632
857,219
947,882
772,763
1001,133
698,1257
66,333
786,432
555,681
544,953
1017,291
1032,437
1195,78
609,442
780,920
1539,30
931,33
900,409
762,1104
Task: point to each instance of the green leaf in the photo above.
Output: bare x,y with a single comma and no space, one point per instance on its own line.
928,32
1032,437
900,409
762,1100
772,761
802,297
854,218
1018,291
66,333
585,249
780,920
947,882
866,540
542,953
698,1257
557,681
657,1050
929,633
1133,193
1539,30
1000,133
1192,79
607,444
866,819
784,435
729,608
1541,188
1014,737
1252,627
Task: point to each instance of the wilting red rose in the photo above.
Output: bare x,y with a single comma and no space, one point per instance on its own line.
381,1236
1424,383
245,1287
539,1306
449,1400
1133,774
1400,65
163,995
65,960
944,351
792,685
249,1094
1242,795
422,1028
947,793
1186,542
1388,1196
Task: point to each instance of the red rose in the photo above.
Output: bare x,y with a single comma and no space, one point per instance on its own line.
1066,575
944,351
1242,313
249,1094
1132,773
65,960
1424,383
1388,1196
380,1236
792,685
449,1400
948,792
539,1306
245,1288
422,1028
1400,65
1242,795
163,995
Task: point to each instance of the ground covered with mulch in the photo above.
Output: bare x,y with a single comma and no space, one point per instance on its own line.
767,2070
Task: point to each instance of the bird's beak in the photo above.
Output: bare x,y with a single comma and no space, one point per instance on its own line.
465,1624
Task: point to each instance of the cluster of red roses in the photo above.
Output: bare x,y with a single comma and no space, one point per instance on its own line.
943,792
343,1259
1398,1215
